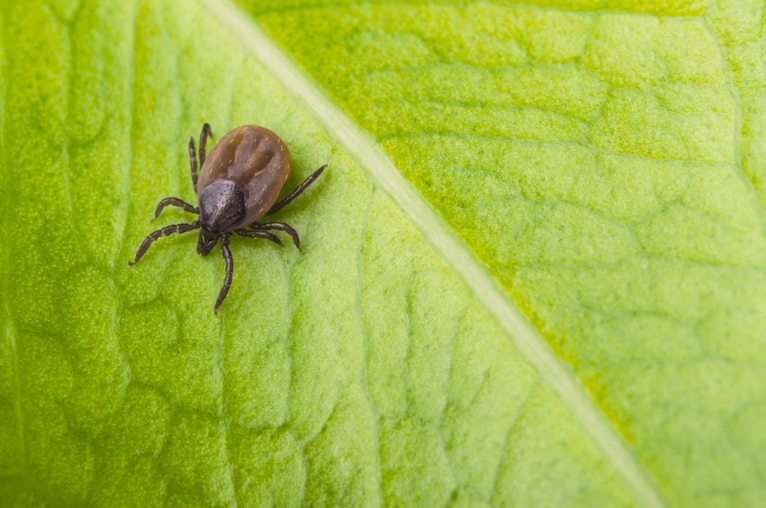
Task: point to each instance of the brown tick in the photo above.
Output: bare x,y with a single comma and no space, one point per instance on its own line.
237,186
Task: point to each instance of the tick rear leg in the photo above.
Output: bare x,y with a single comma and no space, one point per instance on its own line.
229,272
173,202
259,234
206,131
193,163
166,231
294,194
279,226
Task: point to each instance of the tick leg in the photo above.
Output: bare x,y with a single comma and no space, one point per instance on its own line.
193,162
166,231
206,131
259,234
294,194
279,226
229,272
173,202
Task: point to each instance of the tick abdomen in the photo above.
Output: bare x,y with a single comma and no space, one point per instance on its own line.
255,159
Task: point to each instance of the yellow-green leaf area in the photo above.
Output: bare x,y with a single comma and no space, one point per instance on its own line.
606,161
360,373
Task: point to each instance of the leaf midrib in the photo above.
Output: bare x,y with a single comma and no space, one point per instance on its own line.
453,251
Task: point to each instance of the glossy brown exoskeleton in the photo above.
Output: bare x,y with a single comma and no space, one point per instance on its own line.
237,186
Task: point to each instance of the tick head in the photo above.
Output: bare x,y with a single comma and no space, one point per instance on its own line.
206,241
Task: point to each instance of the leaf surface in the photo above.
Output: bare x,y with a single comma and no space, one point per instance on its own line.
603,166
605,161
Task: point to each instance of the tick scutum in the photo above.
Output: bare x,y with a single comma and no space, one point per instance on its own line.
221,205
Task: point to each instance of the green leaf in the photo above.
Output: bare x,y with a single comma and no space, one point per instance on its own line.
600,171
606,161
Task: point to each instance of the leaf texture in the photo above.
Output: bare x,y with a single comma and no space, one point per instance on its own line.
605,161
360,373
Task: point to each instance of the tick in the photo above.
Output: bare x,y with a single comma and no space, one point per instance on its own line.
238,184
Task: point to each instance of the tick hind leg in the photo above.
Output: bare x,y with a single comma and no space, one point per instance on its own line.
166,231
279,226
206,131
294,194
193,163
229,272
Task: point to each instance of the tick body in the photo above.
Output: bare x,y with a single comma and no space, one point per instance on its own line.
237,186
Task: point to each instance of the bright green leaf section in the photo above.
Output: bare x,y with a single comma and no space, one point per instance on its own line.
607,161
360,373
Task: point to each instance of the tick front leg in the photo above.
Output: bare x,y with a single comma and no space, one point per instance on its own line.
294,194
259,234
166,231
229,273
206,131
279,226
193,163
173,202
